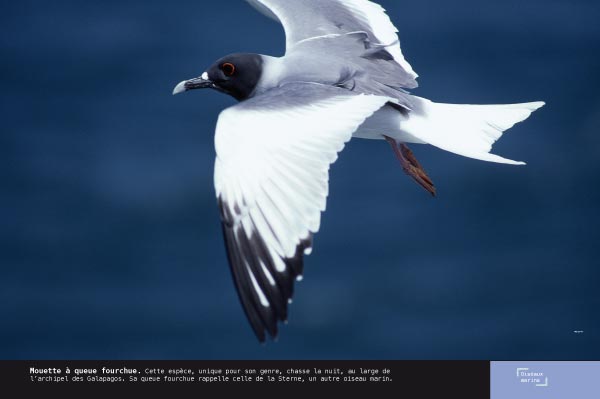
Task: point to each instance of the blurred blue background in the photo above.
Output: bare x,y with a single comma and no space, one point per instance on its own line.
110,242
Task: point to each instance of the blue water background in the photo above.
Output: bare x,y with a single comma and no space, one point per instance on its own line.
110,243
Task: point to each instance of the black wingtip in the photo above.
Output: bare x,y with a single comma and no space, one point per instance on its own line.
262,339
264,289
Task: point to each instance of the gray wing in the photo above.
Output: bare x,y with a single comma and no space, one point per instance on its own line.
271,179
309,19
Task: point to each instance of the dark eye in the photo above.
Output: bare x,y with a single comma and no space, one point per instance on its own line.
228,69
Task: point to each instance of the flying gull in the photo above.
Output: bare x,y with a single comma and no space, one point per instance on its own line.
343,75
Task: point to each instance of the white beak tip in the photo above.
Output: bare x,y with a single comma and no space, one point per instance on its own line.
180,88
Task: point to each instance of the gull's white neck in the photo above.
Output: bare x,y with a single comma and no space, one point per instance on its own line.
273,73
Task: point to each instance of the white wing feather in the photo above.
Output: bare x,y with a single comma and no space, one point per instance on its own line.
278,160
271,181
308,19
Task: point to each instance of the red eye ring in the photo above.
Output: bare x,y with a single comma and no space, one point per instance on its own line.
228,69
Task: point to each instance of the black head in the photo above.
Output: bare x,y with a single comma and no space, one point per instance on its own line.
235,74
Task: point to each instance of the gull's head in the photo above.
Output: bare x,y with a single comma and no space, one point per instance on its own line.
235,74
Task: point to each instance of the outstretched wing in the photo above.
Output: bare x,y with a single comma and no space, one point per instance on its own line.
271,179
307,19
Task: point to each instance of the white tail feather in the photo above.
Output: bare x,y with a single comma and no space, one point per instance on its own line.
467,130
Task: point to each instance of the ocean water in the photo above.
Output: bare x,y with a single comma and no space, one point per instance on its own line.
110,242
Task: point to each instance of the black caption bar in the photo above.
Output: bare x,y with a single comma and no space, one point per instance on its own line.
423,379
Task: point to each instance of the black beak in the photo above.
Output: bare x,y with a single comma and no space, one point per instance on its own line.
197,83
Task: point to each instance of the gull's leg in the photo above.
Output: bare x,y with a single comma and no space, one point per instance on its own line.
411,166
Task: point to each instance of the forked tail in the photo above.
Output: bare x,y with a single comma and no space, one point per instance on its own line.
467,130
